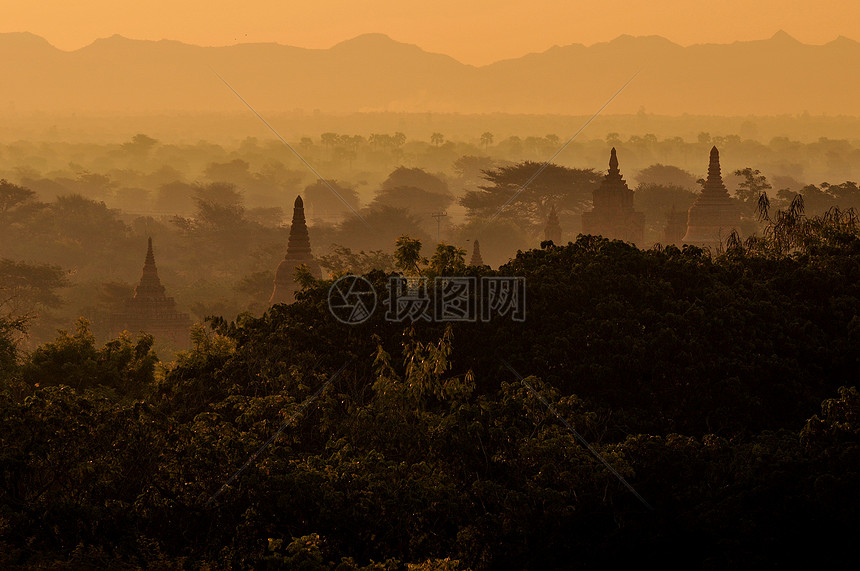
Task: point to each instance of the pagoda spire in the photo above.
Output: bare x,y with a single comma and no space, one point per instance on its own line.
476,260
150,285
150,255
552,230
714,215
299,243
613,215
714,187
714,166
150,309
298,253
613,178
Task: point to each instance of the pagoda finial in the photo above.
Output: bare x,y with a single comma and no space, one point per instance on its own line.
613,161
299,203
149,286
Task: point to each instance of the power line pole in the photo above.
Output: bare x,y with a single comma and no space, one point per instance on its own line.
439,216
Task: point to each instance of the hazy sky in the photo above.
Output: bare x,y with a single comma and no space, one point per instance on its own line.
476,32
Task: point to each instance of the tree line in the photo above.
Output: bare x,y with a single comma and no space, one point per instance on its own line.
720,386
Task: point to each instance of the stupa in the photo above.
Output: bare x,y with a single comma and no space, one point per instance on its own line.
298,253
613,215
676,227
552,230
714,214
151,311
476,260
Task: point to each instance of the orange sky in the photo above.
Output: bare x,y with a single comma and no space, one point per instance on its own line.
476,32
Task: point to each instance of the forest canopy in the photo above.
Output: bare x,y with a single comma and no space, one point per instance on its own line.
721,387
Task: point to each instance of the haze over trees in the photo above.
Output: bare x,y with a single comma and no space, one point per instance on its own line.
717,385
413,189
714,381
220,214
668,360
550,400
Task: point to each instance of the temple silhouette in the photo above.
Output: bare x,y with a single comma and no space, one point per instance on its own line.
151,311
612,215
298,253
676,227
476,260
714,214
552,230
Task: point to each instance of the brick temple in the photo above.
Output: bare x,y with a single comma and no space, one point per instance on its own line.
612,215
151,311
714,214
298,253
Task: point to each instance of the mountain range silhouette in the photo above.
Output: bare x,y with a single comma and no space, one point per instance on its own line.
372,72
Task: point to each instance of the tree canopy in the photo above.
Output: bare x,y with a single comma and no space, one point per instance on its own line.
720,387
562,187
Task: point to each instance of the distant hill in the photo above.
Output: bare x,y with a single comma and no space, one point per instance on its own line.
375,73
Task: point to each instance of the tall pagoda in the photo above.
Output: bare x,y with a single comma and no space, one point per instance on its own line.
613,215
552,230
476,260
151,311
298,253
714,214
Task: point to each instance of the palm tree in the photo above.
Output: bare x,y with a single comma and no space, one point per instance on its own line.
487,139
437,139
329,139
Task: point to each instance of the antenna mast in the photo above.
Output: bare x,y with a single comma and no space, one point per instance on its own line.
439,216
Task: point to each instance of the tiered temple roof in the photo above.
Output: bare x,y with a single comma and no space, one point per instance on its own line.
151,311
476,260
298,253
714,214
552,230
613,215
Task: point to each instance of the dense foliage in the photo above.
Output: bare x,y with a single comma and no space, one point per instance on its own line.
721,387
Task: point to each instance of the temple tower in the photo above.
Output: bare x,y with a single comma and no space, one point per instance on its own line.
552,230
476,260
151,311
298,253
676,227
714,214
613,215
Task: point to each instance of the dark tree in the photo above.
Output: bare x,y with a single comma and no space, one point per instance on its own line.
565,188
